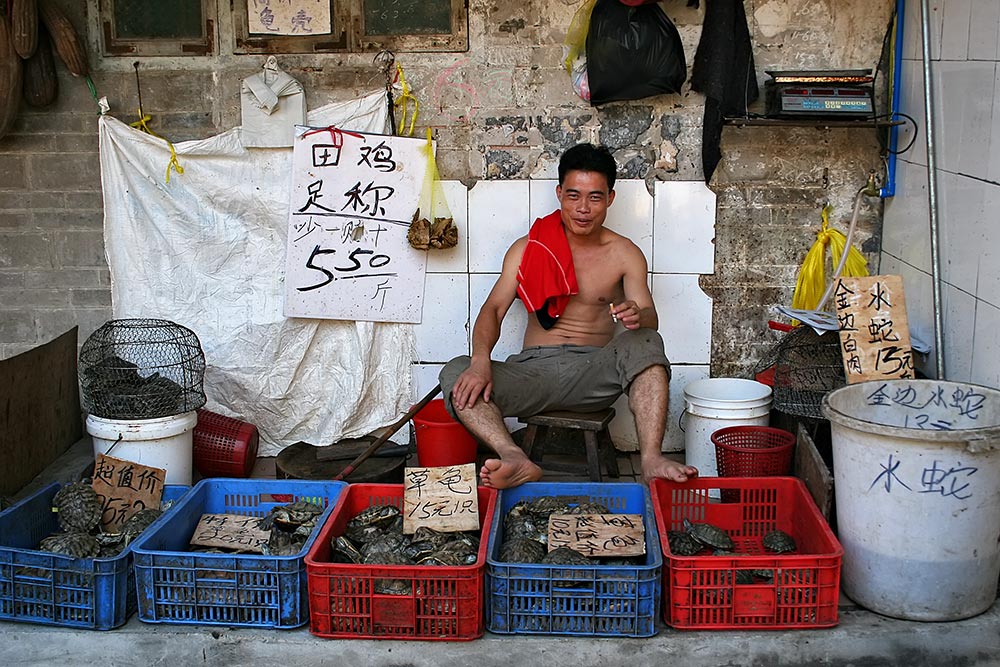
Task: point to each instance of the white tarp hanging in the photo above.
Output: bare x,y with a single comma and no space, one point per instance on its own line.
207,251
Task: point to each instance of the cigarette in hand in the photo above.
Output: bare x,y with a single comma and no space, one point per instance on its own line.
613,316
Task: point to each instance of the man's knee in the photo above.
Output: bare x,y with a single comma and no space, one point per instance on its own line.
449,376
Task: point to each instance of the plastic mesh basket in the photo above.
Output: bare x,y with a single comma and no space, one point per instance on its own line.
223,446
753,451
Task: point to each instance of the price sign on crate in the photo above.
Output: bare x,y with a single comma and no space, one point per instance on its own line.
125,487
230,531
444,499
598,534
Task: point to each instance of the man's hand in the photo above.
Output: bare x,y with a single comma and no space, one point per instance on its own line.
627,313
475,382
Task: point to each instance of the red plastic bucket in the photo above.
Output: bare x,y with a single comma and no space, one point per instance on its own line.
441,441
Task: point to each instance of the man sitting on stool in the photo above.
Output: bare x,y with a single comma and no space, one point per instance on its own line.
578,279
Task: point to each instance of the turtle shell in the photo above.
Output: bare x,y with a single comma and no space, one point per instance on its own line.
779,542
77,507
139,522
589,508
387,542
709,535
683,544
344,551
565,556
75,544
521,550
546,505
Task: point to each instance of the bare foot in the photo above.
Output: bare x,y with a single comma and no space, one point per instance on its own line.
509,472
661,466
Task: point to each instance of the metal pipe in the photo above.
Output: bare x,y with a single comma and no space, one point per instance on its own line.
932,189
897,61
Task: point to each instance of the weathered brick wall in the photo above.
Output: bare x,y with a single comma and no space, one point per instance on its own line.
503,110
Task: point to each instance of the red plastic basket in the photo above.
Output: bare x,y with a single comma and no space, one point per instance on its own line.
223,446
445,603
704,592
753,451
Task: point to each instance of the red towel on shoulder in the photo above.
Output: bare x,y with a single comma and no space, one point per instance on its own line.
546,278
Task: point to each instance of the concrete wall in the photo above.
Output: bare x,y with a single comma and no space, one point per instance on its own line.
503,110
965,52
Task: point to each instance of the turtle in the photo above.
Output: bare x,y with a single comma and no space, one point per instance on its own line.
547,505
566,556
682,543
76,544
417,550
362,534
77,507
521,550
291,516
589,508
448,559
709,535
344,551
435,537
779,542
139,522
386,542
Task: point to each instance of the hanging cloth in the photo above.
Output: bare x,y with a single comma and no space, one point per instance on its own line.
724,71
272,103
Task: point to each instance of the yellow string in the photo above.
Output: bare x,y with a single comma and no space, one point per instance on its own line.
403,102
811,282
143,127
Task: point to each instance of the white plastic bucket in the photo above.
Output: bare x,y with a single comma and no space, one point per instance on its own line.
714,403
917,480
165,443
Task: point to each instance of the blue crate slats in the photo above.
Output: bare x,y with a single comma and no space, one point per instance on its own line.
599,600
176,585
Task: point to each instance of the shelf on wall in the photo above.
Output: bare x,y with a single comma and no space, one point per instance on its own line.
808,122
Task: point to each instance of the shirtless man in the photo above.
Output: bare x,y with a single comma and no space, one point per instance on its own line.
578,363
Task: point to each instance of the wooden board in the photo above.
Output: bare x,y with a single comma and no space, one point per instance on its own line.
874,332
812,470
40,415
230,531
444,499
598,534
404,17
124,488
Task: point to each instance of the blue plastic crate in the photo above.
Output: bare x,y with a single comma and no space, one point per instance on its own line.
176,585
599,600
52,589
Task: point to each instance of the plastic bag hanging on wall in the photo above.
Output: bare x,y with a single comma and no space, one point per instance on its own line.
632,52
433,226
272,104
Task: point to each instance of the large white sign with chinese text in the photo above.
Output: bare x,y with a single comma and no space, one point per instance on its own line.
353,198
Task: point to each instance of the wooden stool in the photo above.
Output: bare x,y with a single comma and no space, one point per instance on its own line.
595,436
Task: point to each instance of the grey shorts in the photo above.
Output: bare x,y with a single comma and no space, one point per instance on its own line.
565,377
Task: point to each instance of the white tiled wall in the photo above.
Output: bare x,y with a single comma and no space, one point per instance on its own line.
965,63
675,230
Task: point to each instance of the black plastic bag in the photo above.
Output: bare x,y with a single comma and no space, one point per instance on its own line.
632,52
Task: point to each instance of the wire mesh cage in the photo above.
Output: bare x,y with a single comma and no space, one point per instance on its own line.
142,369
807,366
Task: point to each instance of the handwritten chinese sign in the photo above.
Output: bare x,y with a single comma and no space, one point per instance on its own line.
353,198
230,531
874,333
124,488
444,499
288,17
598,534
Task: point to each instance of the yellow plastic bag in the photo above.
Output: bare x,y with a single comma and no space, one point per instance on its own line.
811,283
576,37
432,225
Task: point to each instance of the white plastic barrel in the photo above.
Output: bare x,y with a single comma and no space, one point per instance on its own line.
714,403
166,442
916,468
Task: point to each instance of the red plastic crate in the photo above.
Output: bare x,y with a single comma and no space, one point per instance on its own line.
445,603
223,446
700,592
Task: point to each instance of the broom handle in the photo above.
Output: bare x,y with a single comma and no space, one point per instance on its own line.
388,433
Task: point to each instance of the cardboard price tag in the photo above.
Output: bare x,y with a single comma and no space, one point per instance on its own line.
230,531
874,332
598,534
444,499
125,487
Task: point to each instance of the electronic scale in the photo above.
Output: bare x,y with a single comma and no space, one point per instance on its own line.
845,94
